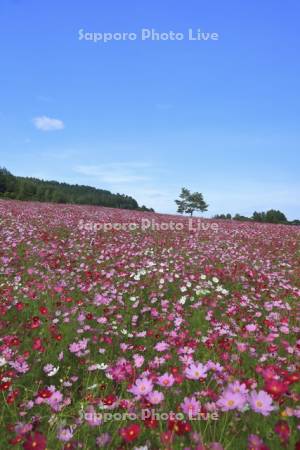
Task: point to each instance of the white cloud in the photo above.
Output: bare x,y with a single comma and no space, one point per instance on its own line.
45,123
115,173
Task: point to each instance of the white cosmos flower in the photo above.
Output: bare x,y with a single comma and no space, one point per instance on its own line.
2,361
103,366
53,371
182,300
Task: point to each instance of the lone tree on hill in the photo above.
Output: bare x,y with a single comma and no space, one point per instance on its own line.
189,202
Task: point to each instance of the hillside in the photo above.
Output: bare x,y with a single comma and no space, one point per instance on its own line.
26,188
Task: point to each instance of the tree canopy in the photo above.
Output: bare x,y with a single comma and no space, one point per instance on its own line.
189,202
23,188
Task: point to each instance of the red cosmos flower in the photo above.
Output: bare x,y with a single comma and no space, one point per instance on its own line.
292,378
178,378
58,337
297,447
16,440
272,348
19,306
36,441
124,404
283,430
268,323
70,446
179,426
37,344
35,323
9,374
5,386
14,342
276,388
166,438
131,432
109,400
150,422
183,427
43,310
12,396
45,393
175,370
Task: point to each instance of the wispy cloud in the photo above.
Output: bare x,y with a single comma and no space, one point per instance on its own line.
116,173
45,123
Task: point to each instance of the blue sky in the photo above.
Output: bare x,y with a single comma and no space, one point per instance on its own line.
148,117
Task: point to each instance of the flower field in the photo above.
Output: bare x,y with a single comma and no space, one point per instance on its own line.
147,339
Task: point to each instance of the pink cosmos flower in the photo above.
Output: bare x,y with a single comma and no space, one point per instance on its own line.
190,406
236,386
103,440
242,346
76,347
20,365
64,434
166,380
155,397
216,446
161,346
138,360
22,428
261,402
55,400
254,442
196,371
93,418
142,387
231,400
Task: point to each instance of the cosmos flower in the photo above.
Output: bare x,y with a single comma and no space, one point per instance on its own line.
35,441
142,387
231,400
190,406
50,370
236,386
130,433
64,434
166,380
261,402
196,371
155,397
161,346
